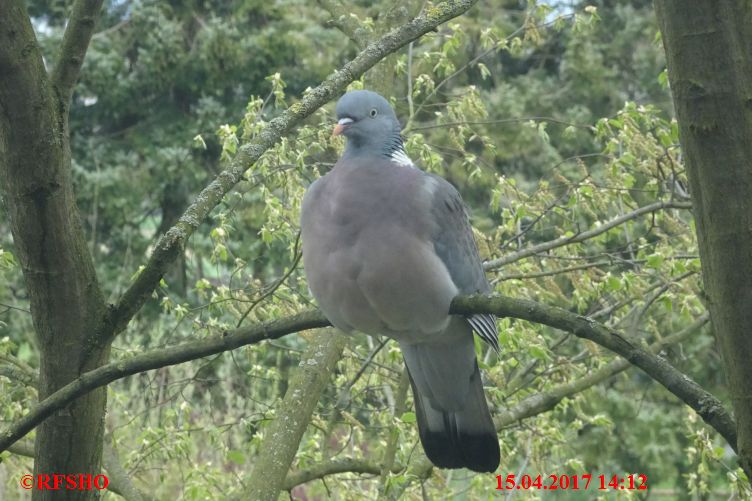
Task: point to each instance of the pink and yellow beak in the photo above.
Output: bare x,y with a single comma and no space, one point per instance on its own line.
342,124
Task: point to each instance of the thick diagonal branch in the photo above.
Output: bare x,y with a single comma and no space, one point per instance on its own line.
172,242
283,435
706,405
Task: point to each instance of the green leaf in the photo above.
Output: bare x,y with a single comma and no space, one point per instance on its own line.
655,260
601,420
25,353
542,132
537,351
667,303
236,456
484,71
408,417
663,79
629,181
613,283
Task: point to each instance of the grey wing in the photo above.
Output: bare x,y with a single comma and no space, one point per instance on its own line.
454,244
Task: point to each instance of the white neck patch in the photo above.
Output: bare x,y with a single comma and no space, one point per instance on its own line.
400,157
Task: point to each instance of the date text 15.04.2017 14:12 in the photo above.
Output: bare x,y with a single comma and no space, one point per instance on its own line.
572,482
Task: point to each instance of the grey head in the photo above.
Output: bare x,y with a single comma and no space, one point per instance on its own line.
370,126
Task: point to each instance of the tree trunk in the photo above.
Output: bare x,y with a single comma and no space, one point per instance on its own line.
66,302
709,53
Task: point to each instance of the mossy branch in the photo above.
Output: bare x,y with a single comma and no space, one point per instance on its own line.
173,241
705,404
344,21
282,437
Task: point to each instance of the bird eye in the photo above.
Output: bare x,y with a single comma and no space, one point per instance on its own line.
373,112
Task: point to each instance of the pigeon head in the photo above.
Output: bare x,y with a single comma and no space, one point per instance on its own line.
369,124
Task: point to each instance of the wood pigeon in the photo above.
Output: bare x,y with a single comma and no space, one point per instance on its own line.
386,248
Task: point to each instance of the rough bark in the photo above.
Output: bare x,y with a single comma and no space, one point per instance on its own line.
282,437
73,324
709,55
119,481
66,302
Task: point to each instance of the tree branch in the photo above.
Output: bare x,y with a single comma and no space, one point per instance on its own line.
120,481
705,404
585,235
155,359
172,242
333,467
283,435
526,408
65,299
23,78
344,21
502,121
15,374
387,461
550,273
25,449
75,42
542,402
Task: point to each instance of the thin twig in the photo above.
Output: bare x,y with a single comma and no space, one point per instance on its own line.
11,307
280,281
500,121
585,235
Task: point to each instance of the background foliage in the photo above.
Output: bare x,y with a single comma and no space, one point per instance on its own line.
554,122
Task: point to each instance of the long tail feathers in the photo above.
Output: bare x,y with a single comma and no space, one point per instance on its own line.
464,438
